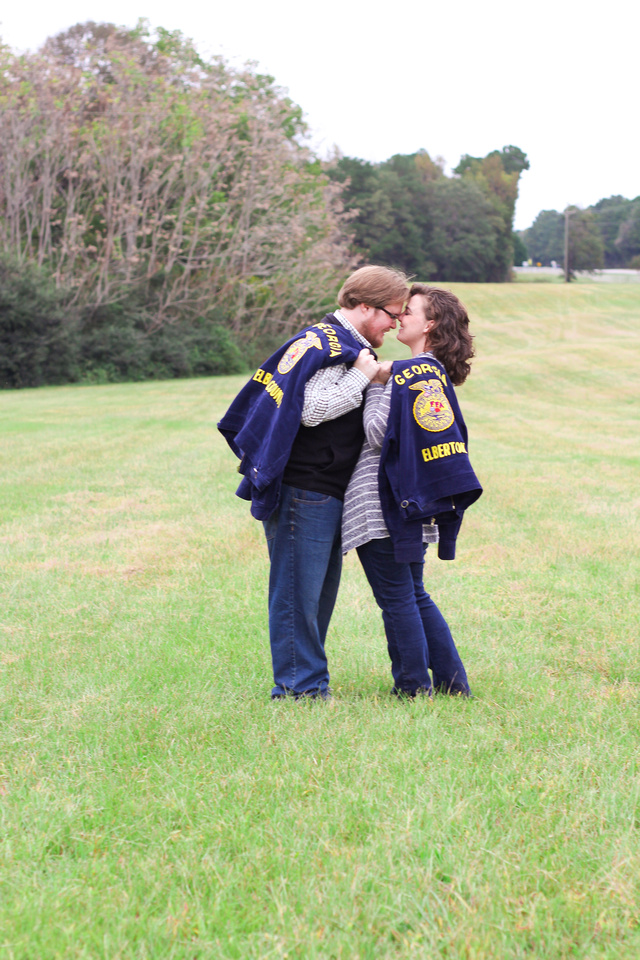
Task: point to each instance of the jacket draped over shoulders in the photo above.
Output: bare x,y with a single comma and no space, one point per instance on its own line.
263,420
425,472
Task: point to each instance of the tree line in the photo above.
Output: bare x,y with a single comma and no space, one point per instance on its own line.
605,235
161,215
406,212
165,203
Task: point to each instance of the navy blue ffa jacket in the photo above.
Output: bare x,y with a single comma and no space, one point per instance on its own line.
261,424
425,473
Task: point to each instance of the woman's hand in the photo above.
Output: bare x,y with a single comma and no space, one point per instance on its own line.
384,372
367,363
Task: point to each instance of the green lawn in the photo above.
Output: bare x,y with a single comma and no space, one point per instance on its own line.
154,803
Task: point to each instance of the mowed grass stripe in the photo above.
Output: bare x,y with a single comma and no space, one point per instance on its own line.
154,803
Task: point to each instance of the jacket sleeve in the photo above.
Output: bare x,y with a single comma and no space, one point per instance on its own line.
448,533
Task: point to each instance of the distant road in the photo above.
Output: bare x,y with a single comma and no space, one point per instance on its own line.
619,275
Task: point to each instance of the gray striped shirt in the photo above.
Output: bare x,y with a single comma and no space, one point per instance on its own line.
362,518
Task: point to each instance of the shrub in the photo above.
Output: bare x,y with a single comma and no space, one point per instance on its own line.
38,331
44,340
118,344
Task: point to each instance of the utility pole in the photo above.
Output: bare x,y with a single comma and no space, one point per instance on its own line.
566,245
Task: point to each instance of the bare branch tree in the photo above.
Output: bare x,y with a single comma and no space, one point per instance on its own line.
127,163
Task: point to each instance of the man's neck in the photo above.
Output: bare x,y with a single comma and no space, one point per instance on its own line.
346,320
354,316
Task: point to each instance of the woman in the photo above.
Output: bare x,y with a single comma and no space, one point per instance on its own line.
408,407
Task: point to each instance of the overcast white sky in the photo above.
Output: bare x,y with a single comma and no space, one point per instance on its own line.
558,79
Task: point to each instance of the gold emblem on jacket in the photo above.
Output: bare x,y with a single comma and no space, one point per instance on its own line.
431,409
297,350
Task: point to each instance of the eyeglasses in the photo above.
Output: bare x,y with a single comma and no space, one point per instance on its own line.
394,316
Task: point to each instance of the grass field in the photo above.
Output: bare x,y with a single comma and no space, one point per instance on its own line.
154,803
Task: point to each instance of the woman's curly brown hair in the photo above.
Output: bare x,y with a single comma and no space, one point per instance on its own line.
448,339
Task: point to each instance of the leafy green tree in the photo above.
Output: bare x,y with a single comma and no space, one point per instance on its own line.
627,242
404,242
514,160
388,203
498,175
545,238
408,214
520,249
586,248
465,228
610,214
369,208
606,234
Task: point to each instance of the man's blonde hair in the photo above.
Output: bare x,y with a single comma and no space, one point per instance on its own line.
375,286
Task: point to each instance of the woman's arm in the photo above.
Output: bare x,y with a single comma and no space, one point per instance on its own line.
376,413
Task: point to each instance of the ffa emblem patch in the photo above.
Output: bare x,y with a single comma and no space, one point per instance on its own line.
432,410
297,350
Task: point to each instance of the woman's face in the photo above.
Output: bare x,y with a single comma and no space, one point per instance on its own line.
413,323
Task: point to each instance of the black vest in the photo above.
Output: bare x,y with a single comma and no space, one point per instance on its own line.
323,457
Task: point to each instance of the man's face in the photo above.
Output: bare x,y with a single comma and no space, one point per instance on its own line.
380,321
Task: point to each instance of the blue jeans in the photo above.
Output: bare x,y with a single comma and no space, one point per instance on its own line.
303,538
418,636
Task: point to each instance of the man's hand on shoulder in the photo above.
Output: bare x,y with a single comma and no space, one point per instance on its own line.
367,364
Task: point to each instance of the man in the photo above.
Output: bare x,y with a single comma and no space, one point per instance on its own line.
297,428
